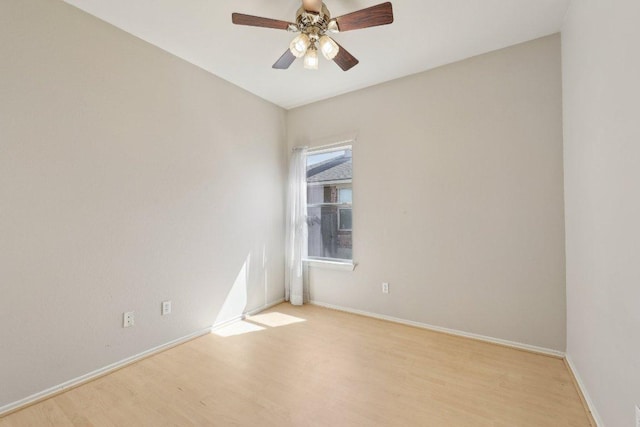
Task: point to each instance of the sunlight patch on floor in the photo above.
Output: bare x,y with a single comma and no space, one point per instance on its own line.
275,319
237,328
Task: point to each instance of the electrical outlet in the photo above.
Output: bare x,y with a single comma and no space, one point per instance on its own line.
637,416
166,307
385,288
127,319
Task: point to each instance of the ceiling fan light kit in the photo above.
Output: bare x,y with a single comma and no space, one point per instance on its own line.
311,59
328,47
299,45
313,21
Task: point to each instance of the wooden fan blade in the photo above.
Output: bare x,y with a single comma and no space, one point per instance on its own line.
285,61
344,59
312,5
257,21
373,16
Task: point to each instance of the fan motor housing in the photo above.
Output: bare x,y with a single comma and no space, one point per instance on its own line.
312,23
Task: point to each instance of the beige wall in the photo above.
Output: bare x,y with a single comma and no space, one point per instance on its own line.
601,68
127,177
458,195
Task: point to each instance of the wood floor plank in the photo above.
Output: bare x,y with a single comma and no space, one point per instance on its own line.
331,369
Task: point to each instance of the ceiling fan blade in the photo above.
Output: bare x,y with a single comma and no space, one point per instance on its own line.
344,59
312,5
373,16
257,21
285,61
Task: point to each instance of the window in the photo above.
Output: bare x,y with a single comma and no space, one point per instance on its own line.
345,195
329,199
344,219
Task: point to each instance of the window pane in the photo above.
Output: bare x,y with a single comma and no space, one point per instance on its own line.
325,239
345,219
314,159
329,177
315,194
345,195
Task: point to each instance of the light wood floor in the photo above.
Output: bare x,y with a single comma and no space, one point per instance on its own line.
332,369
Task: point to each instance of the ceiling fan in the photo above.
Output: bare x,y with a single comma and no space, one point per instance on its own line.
313,22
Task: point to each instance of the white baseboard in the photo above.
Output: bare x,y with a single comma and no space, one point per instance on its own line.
75,382
246,314
590,406
506,343
263,308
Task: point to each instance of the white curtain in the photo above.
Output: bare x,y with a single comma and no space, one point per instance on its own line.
296,244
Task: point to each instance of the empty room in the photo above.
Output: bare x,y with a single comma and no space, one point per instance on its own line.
307,213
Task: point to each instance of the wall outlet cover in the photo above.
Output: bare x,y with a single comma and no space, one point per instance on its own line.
166,307
385,288
128,319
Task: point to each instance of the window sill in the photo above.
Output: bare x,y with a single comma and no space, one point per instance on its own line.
330,265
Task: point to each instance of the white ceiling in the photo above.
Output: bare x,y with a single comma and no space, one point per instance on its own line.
425,35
